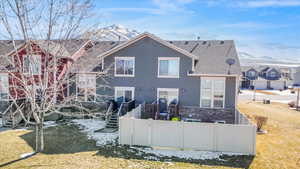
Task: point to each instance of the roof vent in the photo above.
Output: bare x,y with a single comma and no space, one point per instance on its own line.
186,42
204,42
222,42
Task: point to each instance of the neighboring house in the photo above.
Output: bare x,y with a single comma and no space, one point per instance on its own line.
265,77
196,74
296,77
12,63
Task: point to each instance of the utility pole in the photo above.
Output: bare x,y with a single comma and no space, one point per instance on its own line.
297,102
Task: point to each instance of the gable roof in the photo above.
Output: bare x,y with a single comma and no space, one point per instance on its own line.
142,36
61,48
208,53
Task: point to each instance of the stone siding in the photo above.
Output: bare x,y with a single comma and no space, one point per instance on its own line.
207,115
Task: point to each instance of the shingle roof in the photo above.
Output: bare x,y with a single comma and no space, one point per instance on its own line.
89,60
61,48
208,53
212,55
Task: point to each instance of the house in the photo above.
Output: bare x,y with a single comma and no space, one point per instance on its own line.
14,64
201,76
296,77
265,77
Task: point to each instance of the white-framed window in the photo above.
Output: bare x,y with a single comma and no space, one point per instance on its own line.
32,64
124,94
124,66
168,67
4,87
212,92
252,73
170,94
86,87
273,74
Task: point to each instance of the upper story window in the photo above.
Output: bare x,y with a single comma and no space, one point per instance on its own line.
251,73
124,66
86,87
4,86
32,64
273,74
212,92
168,67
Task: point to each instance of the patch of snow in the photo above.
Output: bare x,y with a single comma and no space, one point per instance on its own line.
281,101
25,155
250,92
50,124
195,155
282,93
89,126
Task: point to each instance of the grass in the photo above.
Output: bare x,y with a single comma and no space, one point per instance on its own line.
280,147
67,147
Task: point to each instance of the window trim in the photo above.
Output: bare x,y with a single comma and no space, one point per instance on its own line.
168,58
8,92
168,90
124,58
85,91
213,91
123,88
30,64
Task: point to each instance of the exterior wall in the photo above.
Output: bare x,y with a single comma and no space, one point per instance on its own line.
3,106
146,82
296,77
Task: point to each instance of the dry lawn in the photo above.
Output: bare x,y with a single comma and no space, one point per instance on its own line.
68,148
280,147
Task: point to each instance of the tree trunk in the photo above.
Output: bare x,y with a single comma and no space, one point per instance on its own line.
39,138
36,138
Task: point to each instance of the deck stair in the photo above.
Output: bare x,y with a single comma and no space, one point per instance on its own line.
10,118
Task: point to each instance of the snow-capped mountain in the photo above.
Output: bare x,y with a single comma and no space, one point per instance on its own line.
113,32
119,32
247,59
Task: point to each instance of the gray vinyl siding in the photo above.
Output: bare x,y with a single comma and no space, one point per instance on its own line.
146,81
3,106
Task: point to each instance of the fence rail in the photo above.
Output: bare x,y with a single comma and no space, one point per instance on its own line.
188,135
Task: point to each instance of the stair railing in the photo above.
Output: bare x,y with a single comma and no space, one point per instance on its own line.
109,112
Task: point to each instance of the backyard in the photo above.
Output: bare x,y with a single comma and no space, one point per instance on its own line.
67,146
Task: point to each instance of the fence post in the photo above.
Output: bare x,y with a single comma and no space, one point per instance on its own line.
150,132
182,132
254,140
215,128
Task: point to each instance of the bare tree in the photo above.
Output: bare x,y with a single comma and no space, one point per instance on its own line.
39,80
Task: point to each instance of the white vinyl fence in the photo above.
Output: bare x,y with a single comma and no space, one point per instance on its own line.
188,135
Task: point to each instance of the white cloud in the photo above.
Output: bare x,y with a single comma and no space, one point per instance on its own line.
269,3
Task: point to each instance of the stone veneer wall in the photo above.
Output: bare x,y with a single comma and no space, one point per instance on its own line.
207,115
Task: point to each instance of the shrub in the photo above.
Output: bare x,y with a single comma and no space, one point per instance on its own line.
292,104
260,122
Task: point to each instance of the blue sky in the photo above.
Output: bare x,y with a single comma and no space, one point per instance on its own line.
259,27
